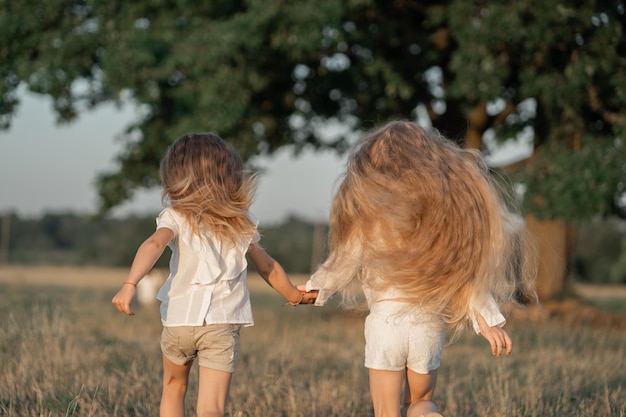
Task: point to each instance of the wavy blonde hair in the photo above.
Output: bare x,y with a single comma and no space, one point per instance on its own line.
429,220
203,179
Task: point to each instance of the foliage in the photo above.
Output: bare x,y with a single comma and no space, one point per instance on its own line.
600,252
560,68
72,239
570,176
267,73
291,243
617,273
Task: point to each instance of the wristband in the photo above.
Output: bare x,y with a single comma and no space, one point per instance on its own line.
299,301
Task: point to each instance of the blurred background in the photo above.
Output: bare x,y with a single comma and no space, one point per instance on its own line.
93,92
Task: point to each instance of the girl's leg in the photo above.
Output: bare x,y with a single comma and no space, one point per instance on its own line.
175,379
419,393
212,392
386,392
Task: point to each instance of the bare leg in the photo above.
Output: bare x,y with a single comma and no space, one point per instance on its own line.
175,379
212,392
419,393
386,392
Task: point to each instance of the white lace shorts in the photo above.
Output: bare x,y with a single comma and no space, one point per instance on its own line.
396,339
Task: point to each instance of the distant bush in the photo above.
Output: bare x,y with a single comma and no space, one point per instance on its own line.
600,252
617,273
299,245
72,239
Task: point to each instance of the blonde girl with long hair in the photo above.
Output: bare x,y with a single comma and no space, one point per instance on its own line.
422,226
205,300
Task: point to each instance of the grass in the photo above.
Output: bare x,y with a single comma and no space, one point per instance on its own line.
610,298
65,351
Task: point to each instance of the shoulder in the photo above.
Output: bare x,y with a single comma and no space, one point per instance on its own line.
169,218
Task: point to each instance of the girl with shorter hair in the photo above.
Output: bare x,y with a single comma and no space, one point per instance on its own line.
205,300
421,225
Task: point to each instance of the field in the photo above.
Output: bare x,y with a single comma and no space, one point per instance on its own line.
65,351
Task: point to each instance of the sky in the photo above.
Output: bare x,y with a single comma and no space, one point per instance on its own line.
50,168
46,167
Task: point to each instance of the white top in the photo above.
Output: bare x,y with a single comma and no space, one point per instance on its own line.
208,278
329,282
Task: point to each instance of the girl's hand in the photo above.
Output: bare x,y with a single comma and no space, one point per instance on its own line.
308,297
123,298
496,336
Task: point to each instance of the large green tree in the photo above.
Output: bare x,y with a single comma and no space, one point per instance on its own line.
269,73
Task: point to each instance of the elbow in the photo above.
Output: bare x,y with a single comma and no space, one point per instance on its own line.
265,269
154,245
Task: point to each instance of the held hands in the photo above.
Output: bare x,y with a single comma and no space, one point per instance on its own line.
124,297
496,336
307,297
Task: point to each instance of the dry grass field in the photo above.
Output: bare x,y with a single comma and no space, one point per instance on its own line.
65,351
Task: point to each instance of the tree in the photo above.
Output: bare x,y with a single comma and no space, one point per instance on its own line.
567,62
270,73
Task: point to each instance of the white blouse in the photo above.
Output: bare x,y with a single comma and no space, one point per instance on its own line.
208,278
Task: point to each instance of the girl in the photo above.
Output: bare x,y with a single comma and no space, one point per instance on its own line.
417,221
205,300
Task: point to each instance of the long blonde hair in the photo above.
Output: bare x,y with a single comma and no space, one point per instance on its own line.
430,221
203,179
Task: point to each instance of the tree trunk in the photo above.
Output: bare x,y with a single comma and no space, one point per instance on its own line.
554,241
478,120
5,238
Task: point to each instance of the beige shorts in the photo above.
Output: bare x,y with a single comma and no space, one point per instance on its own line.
397,338
216,345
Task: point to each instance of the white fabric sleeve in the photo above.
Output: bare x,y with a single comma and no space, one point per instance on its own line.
328,282
167,219
487,307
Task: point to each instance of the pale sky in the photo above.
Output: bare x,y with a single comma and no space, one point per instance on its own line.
46,167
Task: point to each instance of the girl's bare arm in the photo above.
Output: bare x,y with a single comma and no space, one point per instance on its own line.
148,253
274,274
